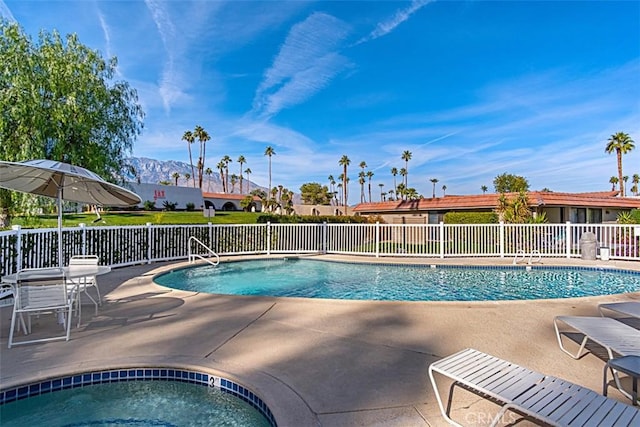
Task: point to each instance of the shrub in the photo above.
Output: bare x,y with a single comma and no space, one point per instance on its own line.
310,219
191,207
149,205
627,217
471,218
169,206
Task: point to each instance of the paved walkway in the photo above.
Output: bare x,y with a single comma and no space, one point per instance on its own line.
314,362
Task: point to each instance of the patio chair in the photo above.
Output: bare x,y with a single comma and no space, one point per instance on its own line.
37,292
78,265
542,398
615,337
627,308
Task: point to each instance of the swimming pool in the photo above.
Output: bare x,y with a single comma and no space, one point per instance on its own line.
137,396
292,277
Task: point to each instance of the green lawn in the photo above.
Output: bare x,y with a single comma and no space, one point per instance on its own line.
136,218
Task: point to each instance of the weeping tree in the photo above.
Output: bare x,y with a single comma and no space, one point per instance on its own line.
59,100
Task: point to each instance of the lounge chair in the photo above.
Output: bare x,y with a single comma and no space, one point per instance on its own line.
614,336
40,291
536,396
627,308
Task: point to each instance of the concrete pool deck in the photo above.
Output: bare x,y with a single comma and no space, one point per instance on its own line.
313,362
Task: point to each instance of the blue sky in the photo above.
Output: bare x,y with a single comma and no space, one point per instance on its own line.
472,88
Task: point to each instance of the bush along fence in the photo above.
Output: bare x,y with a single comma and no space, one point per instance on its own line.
122,246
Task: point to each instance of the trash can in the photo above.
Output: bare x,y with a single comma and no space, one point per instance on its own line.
588,246
604,253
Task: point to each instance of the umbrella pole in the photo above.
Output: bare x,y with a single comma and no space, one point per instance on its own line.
60,226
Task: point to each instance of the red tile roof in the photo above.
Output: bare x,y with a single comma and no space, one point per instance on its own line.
603,199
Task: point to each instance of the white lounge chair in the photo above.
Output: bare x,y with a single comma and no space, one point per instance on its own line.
41,291
531,394
615,337
627,308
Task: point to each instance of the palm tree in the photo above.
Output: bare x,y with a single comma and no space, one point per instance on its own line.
361,175
175,177
434,181
484,189
339,186
269,152
344,162
272,199
208,172
226,160
390,193
187,177
189,137
444,190
248,172
406,156
220,167
613,180
369,175
280,189
635,180
361,181
242,161
411,194
381,193
403,174
203,137
401,191
621,143
394,172
332,183
234,181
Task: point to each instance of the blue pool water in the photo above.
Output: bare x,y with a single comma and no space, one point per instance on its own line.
135,403
336,280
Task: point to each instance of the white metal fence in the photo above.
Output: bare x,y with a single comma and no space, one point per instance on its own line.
120,246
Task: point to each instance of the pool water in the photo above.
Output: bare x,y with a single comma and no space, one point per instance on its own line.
338,280
133,403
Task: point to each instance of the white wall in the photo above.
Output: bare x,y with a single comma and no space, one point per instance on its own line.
169,193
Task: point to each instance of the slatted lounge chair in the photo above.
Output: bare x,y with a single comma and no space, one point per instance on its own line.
627,308
614,336
536,396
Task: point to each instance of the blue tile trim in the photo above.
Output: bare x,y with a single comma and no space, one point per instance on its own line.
137,374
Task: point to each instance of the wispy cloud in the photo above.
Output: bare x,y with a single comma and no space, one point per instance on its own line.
5,12
385,27
307,61
170,82
107,38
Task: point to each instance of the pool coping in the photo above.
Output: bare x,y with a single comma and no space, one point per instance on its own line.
320,344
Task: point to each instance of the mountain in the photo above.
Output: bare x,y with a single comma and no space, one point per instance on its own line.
153,171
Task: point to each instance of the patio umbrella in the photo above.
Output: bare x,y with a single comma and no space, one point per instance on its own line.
63,181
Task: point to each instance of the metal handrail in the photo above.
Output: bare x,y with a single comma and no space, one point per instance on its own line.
193,256
523,253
